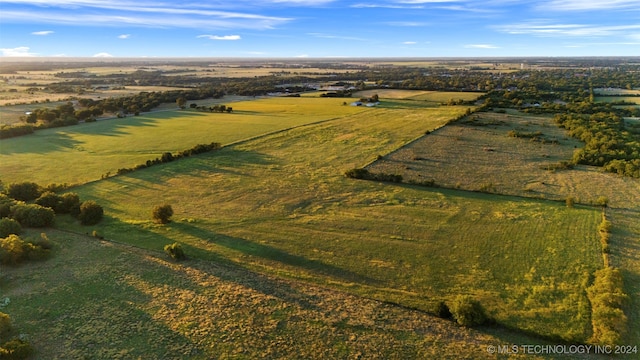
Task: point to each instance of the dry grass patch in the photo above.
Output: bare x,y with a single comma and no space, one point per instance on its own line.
90,302
478,154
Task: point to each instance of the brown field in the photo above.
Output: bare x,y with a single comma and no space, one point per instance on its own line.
484,158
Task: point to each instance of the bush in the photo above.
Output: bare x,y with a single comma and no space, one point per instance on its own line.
32,215
25,191
49,199
607,300
69,204
5,205
162,213
602,201
90,213
8,227
357,173
442,311
5,324
15,349
570,201
175,251
12,250
467,312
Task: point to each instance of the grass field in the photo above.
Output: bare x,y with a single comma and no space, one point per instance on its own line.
118,302
485,157
629,99
97,148
280,204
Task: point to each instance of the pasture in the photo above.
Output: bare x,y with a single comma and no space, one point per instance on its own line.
279,204
477,154
273,205
102,147
117,302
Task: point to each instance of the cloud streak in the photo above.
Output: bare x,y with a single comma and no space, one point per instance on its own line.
21,51
42,33
217,37
589,5
573,30
144,14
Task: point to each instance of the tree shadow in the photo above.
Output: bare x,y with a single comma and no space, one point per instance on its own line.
214,264
35,144
271,253
227,160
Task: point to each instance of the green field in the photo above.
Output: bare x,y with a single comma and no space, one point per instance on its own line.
118,302
85,152
279,205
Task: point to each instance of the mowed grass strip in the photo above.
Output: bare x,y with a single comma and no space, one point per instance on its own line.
98,300
86,152
280,204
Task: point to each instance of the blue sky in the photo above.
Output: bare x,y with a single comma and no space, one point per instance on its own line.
319,28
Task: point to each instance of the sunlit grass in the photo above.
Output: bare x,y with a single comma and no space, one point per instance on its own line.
280,204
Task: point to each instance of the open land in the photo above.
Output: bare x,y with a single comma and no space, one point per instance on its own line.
290,258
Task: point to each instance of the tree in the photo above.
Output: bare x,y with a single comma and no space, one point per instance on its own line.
90,213
467,311
8,227
25,191
32,215
181,102
162,213
48,199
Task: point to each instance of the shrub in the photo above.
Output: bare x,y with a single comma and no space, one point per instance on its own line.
15,349
49,199
69,204
162,213
605,226
32,215
602,201
607,299
467,311
25,191
12,250
175,251
8,227
90,213
570,201
357,173
442,311
5,324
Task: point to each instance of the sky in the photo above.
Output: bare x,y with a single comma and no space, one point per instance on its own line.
319,28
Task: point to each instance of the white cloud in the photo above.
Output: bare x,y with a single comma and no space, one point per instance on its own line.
124,36
21,51
406,23
539,29
481,46
143,13
340,37
302,56
103,55
217,37
42,33
409,43
589,5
